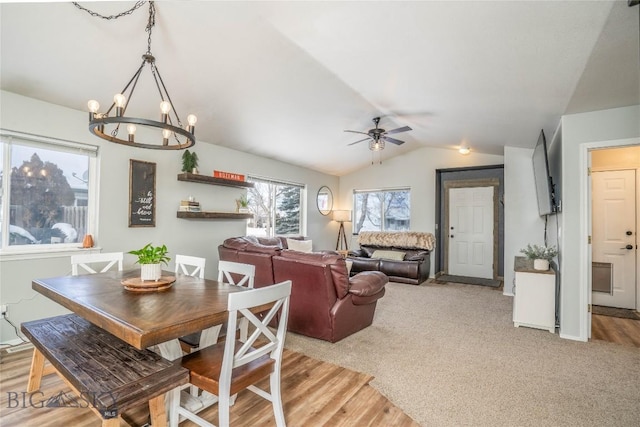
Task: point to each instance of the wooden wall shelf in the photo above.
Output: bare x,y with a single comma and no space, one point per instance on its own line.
204,179
214,215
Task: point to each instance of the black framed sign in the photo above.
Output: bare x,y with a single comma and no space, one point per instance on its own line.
142,194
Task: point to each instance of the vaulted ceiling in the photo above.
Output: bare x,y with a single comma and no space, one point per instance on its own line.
284,80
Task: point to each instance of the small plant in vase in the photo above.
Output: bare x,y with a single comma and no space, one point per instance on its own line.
151,259
242,204
189,162
541,255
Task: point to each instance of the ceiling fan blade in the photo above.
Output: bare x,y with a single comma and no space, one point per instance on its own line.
356,131
393,140
402,129
359,141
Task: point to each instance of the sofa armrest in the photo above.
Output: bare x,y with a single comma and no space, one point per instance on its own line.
367,283
416,255
357,253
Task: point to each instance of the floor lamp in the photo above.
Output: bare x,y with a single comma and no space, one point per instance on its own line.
342,217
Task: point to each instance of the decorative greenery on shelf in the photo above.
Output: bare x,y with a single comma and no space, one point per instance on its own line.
189,161
540,252
242,202
151,254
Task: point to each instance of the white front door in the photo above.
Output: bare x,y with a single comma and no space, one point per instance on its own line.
470,232
614,234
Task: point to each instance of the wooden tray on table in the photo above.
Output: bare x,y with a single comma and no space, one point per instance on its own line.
136,284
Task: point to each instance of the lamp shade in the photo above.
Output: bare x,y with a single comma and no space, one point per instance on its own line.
342,216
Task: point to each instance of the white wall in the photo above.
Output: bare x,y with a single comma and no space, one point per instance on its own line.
522,224
416,170
577,130
192,237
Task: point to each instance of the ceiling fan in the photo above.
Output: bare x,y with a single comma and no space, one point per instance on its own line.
378,136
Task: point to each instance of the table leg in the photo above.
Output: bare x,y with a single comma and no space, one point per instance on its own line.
37,369
157,411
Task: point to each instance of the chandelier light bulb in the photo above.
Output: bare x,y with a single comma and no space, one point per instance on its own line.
93,106
131,128
120,100
192,119
166,133
165,107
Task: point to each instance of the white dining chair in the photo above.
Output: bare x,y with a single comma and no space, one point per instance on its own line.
238,274
234,273
99,263
194,267
228,367
190,265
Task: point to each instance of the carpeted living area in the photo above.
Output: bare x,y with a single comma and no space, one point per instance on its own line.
448,355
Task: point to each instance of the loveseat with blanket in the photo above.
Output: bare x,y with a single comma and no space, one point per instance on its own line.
325,302
404,256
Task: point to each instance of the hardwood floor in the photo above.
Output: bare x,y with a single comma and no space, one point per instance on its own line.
315,393
615,329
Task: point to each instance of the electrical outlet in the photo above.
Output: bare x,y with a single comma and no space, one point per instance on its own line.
3,310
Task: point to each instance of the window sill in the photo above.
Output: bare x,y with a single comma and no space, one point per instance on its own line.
19,255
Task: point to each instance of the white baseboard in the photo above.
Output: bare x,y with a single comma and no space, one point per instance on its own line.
9,343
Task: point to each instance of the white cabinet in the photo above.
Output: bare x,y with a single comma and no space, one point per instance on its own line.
534,302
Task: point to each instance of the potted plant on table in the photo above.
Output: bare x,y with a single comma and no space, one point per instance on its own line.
541,255
151,259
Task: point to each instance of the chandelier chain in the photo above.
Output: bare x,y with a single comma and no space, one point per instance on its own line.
110,17
150,24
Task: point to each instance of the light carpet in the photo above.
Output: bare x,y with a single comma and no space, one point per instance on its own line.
448,355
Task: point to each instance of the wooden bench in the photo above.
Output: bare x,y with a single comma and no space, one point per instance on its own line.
111,375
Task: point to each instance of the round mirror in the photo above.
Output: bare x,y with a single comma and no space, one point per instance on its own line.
324,200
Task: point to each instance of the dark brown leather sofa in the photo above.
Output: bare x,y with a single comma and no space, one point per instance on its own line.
403,256
325,302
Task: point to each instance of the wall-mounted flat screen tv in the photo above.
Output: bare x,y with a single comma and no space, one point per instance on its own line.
542,177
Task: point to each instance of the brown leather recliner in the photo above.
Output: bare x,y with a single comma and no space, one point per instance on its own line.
255,251
325,302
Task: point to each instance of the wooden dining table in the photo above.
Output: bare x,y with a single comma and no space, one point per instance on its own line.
142,319
153,320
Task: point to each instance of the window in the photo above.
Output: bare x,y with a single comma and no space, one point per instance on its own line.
382,210
47,192
277,208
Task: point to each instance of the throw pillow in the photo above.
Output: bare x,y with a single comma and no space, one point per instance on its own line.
300,245
392,255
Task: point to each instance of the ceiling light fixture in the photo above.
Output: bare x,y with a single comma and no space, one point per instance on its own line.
464,149
175,136
376,144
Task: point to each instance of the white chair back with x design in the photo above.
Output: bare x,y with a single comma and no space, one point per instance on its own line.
247,273
190,265
106,260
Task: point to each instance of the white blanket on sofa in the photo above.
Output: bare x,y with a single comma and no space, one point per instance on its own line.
398,239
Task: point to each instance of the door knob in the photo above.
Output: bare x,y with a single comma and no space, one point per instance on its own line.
629,247
451,236
629,233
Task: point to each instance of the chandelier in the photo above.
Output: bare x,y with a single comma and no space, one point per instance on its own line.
107,125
